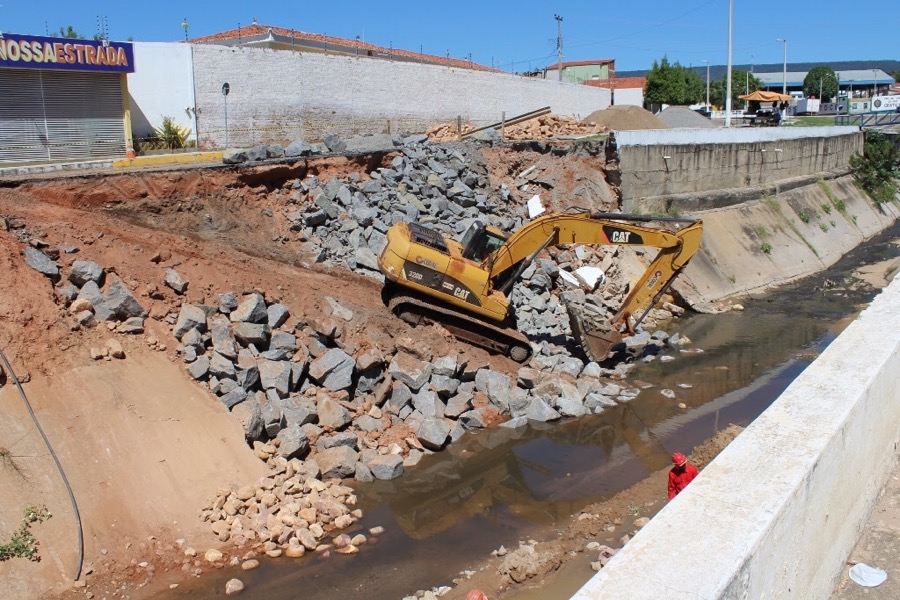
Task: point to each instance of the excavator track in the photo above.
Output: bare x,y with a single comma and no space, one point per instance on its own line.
419,310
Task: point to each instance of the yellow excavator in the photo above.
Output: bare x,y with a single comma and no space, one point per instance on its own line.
464,285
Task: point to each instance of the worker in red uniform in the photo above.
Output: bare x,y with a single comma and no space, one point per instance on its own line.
681,474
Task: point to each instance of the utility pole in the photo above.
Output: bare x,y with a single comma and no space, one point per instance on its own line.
784,73
707,84
728,80
559,45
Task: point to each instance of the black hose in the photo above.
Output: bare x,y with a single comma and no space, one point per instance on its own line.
55,459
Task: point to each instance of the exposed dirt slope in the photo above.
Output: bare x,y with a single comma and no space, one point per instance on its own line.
142,445
142,448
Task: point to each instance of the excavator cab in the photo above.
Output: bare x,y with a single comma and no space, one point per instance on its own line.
479,242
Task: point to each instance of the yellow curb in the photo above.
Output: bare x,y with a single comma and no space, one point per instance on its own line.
168,159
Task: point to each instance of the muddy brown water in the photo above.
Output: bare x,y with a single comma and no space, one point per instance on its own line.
497,487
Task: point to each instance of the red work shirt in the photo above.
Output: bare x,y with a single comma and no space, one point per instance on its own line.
679,477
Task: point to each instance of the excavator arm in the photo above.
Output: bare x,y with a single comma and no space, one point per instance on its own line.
465,285
588,228
596,334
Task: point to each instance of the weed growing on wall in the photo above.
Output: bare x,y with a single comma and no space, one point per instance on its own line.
878,169
23,544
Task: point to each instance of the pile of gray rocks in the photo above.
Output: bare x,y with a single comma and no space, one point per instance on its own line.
446,186
303,392
91,296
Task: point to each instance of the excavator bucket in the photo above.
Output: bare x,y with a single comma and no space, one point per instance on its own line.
593,332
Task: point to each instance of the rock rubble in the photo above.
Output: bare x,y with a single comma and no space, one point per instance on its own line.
319,408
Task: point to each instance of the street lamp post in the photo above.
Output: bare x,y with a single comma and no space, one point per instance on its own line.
707,84
728,68
784,73
874,82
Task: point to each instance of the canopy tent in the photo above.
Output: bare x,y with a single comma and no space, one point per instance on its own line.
763,96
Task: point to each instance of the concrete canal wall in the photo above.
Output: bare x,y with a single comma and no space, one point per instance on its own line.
663,162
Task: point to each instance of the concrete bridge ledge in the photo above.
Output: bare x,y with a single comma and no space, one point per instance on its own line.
778,512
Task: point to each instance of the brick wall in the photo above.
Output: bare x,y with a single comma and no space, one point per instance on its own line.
281,96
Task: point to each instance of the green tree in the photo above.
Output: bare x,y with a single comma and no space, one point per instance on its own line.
69,32
895,75
821,82
742,82
673,84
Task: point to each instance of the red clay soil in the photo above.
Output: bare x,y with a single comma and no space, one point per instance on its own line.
143,446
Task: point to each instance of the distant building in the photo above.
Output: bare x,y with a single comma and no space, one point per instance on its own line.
861,82
582,71
256,35
623,90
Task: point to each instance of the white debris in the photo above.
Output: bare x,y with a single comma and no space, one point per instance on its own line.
535,206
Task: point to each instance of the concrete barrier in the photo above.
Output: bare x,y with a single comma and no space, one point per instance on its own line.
778,512
678,161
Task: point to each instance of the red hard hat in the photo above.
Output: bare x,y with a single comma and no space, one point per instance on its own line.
678,459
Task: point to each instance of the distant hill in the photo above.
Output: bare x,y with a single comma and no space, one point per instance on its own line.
716,72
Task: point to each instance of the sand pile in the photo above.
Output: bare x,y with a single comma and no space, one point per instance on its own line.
624,118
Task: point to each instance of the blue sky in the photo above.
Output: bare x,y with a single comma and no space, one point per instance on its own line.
515,36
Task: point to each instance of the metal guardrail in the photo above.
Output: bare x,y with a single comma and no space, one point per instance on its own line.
869,119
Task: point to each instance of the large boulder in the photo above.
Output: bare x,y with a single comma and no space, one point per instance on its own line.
84,271
337,462
333,370
332,414
190,317
409,370
42,263
293,442
433,433
120,300
386,466
251,310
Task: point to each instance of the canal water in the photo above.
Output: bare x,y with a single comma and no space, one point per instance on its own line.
497,487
